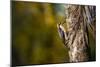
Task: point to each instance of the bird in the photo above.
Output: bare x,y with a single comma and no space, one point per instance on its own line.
62,32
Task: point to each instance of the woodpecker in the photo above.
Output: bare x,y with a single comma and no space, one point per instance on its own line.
62,33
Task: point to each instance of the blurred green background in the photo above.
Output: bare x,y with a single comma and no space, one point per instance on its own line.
35,38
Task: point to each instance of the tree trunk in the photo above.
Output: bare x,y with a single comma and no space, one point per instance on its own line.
77,35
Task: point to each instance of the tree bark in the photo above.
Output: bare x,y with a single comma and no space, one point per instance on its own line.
77,35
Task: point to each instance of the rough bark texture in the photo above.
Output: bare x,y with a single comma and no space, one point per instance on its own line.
77,39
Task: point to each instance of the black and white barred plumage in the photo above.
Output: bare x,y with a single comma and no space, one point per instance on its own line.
62,33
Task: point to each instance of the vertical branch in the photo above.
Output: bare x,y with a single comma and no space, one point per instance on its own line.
77,36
